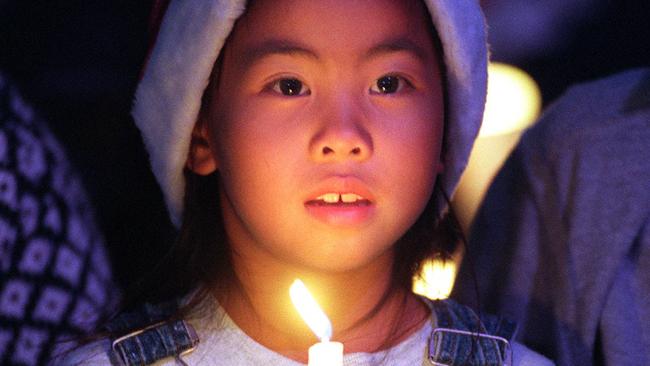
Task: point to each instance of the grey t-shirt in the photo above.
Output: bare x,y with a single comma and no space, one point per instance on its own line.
222,342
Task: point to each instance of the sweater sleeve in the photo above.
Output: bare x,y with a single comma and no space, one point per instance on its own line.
562,237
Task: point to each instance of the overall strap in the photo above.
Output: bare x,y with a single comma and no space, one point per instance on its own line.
460,337
150,335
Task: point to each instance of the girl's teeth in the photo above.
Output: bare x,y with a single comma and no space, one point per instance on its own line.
330,197
350,197
336,197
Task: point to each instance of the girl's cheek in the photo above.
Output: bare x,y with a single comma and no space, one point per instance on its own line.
409,112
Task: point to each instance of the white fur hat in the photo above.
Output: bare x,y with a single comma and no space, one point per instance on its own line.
191,35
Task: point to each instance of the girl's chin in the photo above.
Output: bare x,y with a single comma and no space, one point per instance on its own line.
345,257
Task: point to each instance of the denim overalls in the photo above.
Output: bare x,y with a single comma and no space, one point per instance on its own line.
458,337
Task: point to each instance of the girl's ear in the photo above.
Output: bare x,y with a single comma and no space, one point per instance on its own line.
200,159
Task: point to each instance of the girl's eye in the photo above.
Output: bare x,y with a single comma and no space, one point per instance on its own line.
289,87
388,84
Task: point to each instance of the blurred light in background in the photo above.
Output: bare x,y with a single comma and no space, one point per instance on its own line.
436,279
513,103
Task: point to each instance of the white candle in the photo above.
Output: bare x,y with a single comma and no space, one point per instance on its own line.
325,352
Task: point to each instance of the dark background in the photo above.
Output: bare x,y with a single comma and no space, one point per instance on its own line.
77,62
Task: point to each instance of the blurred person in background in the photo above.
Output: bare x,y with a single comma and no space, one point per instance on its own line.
77,62
562,241
55,276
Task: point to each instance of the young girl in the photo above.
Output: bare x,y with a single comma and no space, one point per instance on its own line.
314,140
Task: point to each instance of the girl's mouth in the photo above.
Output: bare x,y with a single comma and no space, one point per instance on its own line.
340,209
339,199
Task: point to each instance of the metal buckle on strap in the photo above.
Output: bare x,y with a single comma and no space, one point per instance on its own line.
506,355
189,329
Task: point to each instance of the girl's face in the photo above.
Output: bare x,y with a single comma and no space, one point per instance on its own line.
326,128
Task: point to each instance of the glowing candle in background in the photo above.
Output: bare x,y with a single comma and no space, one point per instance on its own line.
513,103
435,279
325,352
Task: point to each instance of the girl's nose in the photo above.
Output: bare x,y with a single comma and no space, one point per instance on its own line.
342,135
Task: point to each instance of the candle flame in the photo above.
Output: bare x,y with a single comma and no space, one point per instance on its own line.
309,311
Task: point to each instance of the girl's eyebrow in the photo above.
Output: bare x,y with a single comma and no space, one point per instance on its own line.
393,45
275,47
